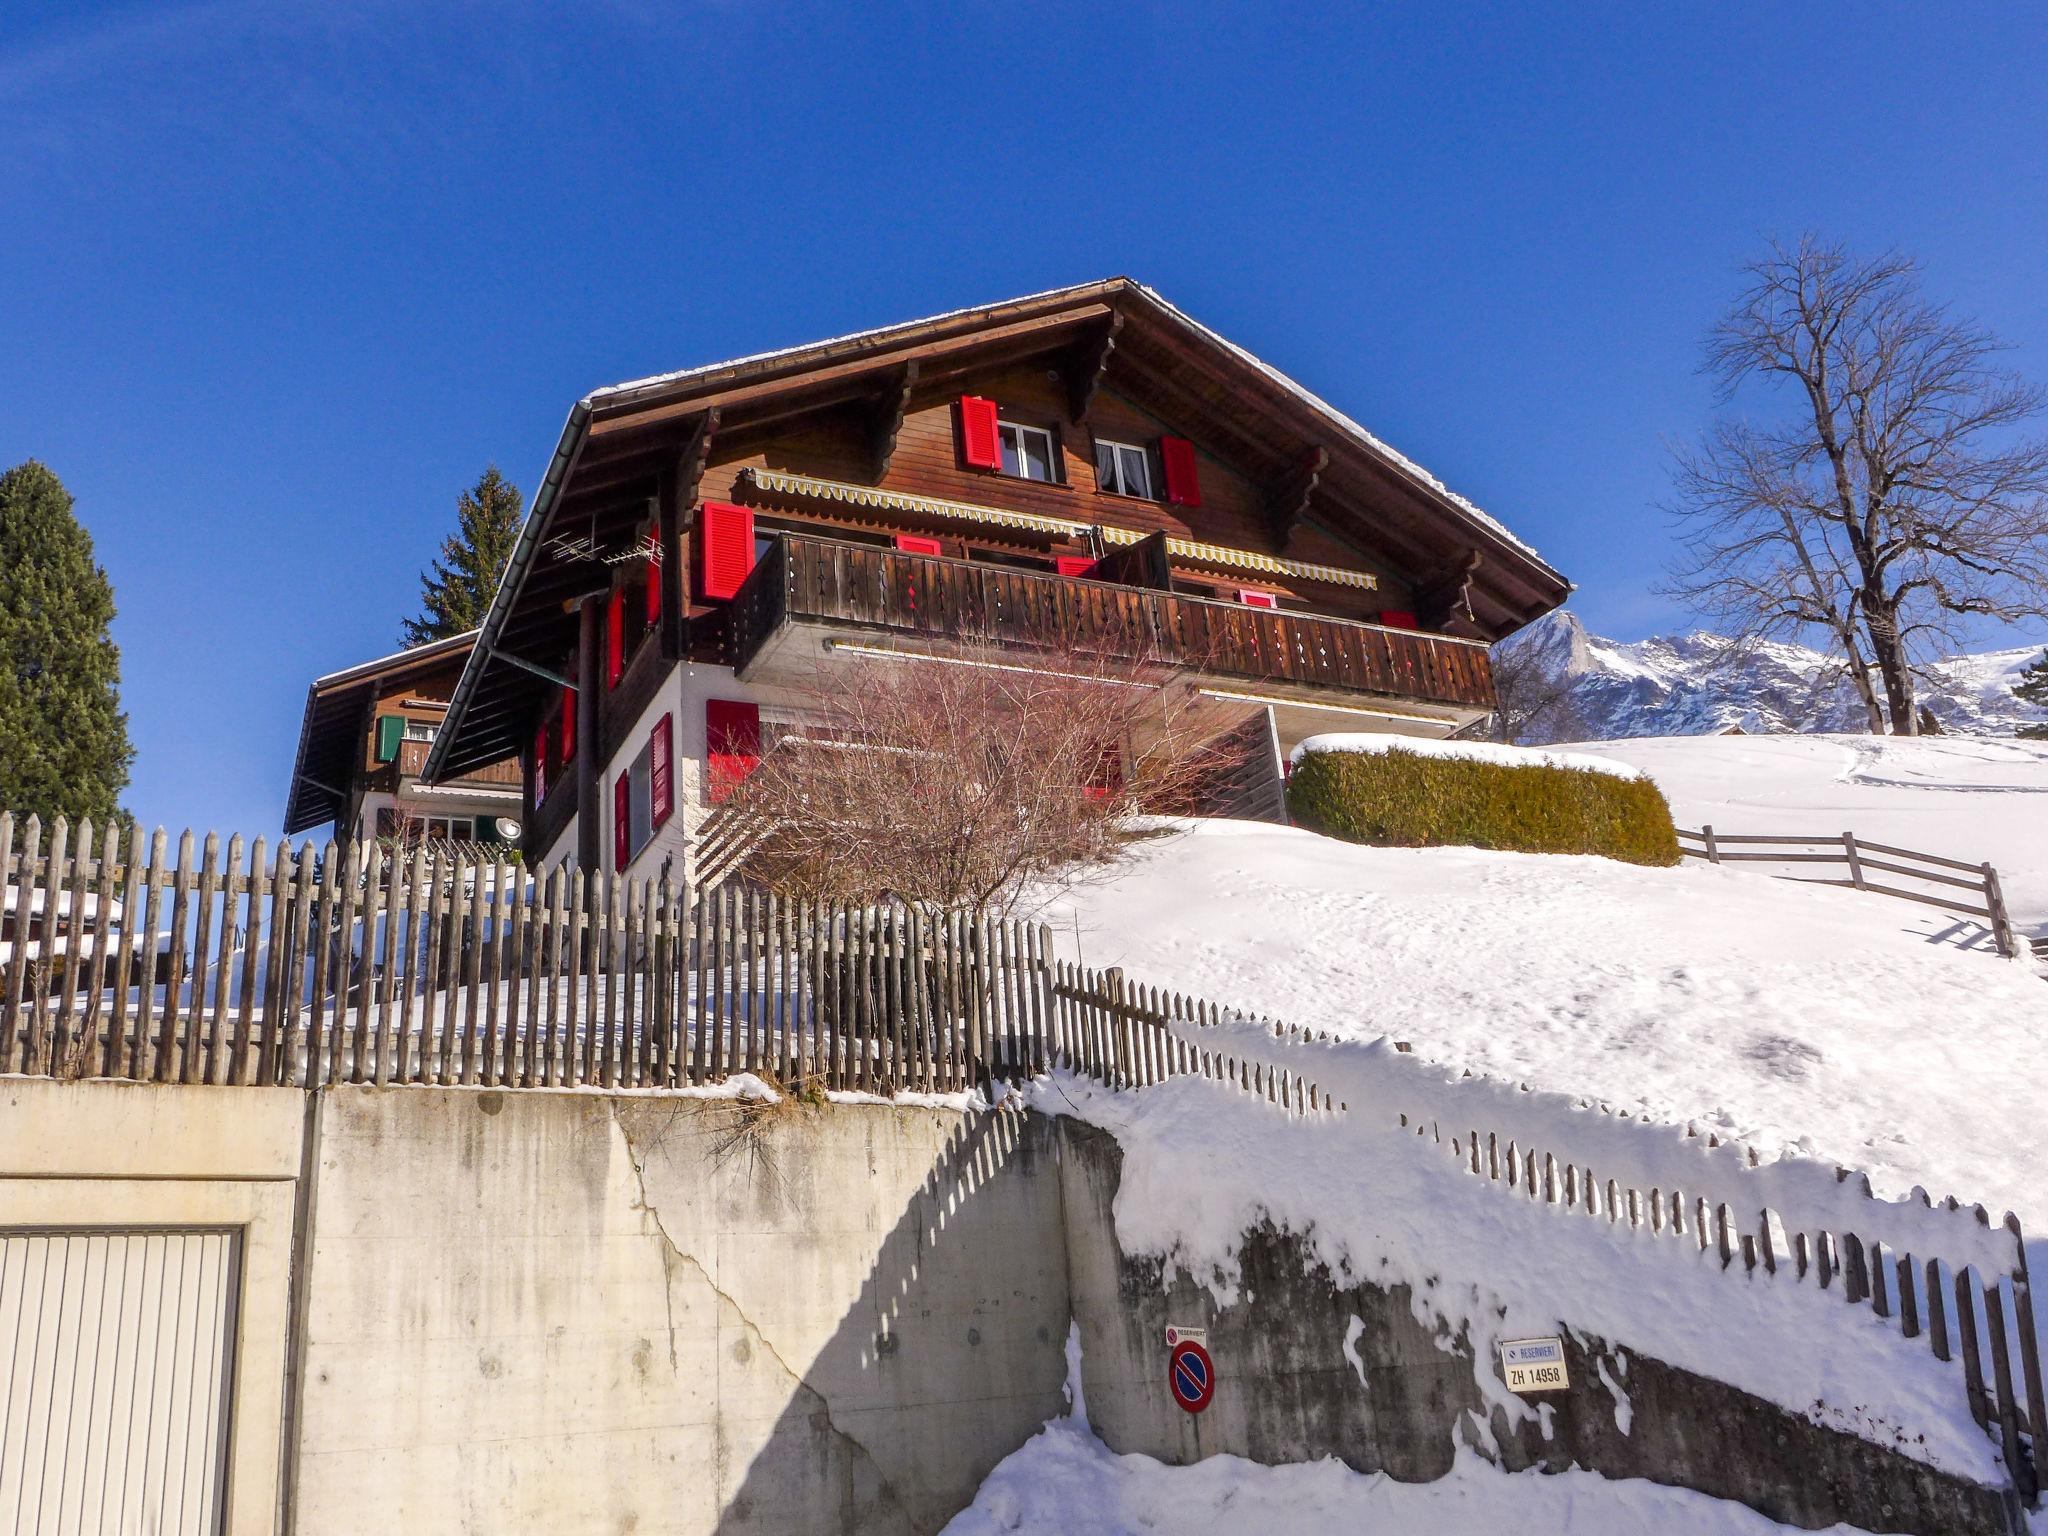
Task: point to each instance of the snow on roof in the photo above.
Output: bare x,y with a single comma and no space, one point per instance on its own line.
1377,444
426,652
677,376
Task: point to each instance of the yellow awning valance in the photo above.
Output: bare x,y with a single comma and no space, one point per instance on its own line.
1189,550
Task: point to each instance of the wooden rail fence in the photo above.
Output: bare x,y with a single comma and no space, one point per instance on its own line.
1859,857
314,966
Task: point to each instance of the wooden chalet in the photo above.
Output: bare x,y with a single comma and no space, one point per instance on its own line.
705,544
363,744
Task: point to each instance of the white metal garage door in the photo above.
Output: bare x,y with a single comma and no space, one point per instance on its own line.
115,1354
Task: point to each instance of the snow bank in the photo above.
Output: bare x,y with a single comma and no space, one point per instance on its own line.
1066,1481
1465,751
1970,798
1204,1163
1793,1018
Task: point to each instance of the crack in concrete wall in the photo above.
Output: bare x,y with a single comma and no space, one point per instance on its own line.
672,1254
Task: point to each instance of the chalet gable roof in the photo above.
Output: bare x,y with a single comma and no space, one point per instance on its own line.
620,440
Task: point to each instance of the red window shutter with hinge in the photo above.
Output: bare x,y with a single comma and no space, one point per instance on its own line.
725,537
1395,618
568,753
1177,458
979,445
733,731
1075,565
622,825
1255,599
917,544
661,773
540,764
653,592
615,639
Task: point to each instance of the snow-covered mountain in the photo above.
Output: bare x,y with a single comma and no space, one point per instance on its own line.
1696,684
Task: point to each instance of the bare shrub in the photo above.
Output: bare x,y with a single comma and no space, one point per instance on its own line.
956,781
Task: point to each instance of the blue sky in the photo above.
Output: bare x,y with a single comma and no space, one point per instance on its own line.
278,280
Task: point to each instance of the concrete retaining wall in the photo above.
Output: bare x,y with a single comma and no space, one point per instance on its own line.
472,1311
1310,1366
564,1312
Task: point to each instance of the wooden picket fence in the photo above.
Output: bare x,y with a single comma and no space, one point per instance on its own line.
1858,858
317,965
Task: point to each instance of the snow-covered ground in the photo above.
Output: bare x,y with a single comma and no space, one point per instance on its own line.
1794,1018
1065,1482
1965,797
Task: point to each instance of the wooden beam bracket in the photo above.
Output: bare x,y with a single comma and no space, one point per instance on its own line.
887,421
1290,502
1087,365
534,667
1446,598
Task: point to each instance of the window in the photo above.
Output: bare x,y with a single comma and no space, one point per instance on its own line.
1123,468
644,796
419,730
1027,451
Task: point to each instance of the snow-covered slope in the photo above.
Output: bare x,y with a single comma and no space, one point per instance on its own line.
1970,798
1684,685
1791,1017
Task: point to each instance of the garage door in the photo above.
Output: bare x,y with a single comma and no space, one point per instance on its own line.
115,1359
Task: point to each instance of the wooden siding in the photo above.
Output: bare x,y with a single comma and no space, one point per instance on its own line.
822,581
926,462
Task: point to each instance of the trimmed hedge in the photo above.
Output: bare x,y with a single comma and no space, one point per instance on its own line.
1402,799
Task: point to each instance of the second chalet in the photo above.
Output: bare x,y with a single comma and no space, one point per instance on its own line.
707,545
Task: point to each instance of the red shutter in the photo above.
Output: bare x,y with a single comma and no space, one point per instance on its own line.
622,823
653,592
726,548
917,544
540,765
568,725
1075,565
1177,458
1395,618
614,639
1254,599
661,756
979,446
733,731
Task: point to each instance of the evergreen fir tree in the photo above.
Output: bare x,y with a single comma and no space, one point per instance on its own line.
2032,688
456,592
64,747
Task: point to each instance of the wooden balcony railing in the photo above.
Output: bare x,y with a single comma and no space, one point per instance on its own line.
805,580
412,757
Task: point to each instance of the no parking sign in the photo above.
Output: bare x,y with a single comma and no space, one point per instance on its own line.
1192,1375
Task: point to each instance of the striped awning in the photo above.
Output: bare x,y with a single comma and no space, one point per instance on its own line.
1192,551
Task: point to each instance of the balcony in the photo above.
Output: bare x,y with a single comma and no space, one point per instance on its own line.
503,774
804,586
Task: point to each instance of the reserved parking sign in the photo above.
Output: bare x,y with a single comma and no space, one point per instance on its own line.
1534,1365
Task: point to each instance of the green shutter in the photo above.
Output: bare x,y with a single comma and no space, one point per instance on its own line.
390,732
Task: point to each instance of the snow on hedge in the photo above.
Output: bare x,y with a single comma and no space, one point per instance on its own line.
1204,1163
1793,1018
1065,1482
1464,751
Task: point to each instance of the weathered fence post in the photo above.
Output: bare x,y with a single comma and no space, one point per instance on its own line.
1707,837
1855,860
2001,920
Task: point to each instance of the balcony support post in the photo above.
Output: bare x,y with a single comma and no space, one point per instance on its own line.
589,648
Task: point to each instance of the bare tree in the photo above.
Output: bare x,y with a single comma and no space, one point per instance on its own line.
959,781
1531,704
1888,499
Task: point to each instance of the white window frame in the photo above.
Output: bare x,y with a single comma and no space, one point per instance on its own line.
420,730
1122,486
1052,452
639,801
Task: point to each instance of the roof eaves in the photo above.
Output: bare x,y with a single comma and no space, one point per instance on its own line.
1375,445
